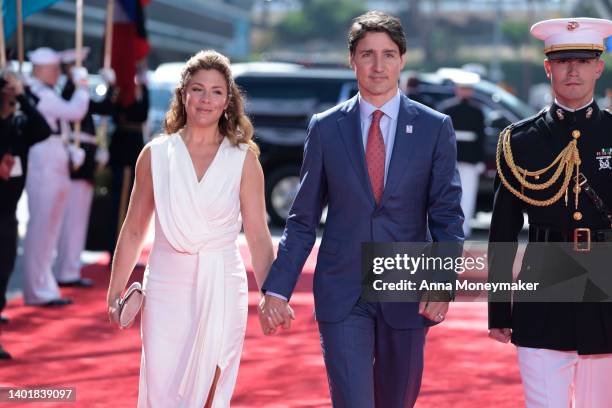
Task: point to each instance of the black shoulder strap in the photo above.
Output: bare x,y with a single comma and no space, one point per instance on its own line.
599,204
528,120
543,126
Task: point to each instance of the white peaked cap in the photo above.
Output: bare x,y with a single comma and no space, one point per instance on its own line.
573,37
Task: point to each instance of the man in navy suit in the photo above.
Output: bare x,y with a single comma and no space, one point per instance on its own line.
386,168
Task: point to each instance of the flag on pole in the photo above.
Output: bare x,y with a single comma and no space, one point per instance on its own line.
9,12
130,45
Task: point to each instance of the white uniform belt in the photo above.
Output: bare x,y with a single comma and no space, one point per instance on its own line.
465,136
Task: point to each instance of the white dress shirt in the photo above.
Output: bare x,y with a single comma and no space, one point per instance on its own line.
388,123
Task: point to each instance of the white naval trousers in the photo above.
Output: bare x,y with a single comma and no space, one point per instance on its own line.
47,186
73,233
563,379
470,176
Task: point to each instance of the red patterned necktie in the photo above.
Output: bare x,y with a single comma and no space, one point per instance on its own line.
375,156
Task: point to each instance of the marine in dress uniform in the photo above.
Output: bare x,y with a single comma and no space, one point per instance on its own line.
19,130
73,233
468,121
554,167
48,181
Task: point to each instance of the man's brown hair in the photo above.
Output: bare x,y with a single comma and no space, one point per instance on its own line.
376,22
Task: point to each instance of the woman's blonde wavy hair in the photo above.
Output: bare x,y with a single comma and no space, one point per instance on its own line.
234,123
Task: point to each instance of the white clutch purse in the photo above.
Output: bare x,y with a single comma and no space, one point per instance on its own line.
130,304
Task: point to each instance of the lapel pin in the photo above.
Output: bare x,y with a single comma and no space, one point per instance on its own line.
408,128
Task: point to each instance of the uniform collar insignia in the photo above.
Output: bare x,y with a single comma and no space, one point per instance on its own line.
584,112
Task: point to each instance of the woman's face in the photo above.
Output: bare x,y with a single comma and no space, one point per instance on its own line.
205,98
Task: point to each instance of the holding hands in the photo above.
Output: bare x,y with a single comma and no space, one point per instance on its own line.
273,312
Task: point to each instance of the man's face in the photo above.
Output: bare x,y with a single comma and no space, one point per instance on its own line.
464,92
377,63
49,74
573,79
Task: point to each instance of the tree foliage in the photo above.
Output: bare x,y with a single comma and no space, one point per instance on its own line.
516,32
319,20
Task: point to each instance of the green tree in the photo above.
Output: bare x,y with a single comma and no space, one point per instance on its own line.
516,32
318,20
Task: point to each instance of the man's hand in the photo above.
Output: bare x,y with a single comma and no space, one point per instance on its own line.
274,312
501,335
77,156
434,305
79,76
14,84
108,75
6,164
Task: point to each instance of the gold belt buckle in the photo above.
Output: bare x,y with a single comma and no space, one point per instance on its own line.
579,240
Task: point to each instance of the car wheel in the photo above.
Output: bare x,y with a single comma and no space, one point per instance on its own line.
281,188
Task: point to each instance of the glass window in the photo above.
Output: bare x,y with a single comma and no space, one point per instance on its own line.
160,97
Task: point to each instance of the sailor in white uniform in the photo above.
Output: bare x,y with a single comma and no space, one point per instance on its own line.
73,233
48,179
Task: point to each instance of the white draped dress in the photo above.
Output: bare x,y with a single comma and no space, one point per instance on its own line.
195,311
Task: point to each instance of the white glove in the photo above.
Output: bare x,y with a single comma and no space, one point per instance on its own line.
102,156
79,75
77,156
108,75
481,167
142,78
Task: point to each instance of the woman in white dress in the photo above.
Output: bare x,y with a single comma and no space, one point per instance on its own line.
202,180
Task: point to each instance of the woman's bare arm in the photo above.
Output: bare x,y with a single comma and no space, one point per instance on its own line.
253,209
134,229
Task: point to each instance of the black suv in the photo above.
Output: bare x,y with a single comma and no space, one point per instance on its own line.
280,100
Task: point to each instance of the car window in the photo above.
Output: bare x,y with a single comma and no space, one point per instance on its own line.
323,90
434,97
287,102
511,102
160,97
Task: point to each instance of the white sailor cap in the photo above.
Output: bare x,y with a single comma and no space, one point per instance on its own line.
69,56
44,56
573,37
460,77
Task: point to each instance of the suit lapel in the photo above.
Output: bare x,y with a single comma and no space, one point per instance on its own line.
350,130
403,147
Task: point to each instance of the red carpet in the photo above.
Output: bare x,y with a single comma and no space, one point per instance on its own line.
76,347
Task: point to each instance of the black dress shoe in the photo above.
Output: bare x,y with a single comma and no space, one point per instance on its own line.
58,302
4,320
79,283
4,355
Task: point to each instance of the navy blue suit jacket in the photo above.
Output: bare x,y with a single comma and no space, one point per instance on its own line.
421,202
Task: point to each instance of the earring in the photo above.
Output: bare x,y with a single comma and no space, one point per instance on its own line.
225,115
